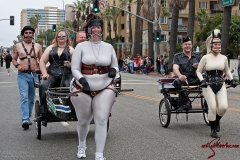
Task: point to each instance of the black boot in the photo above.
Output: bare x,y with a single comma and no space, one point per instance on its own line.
213,129
218,123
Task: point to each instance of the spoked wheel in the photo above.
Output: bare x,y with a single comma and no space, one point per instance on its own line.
205,112
164,112
37,122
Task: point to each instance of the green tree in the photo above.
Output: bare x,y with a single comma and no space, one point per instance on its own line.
202,17
226,25
46,36
34,21
190,28
106,15
176,5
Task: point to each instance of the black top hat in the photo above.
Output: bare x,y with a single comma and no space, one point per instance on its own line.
186,39
27,28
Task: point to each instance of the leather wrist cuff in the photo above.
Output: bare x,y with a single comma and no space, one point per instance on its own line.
17,65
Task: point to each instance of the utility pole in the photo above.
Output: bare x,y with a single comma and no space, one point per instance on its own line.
155,43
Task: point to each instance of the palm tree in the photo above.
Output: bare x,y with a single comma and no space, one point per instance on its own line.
106,15
128,4
138,32
190,28
202,17
34,21
176,5
147,11
79,9
115,13
226,25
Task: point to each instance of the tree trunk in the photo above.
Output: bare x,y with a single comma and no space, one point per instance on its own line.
130,25
190,28
150,40
173,36
109,29
138,33
226,28
115,28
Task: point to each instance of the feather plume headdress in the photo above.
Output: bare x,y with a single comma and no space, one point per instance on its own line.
215,34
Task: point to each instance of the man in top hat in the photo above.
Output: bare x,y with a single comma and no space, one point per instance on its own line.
185,65
29,53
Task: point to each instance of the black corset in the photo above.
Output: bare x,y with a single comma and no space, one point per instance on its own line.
214,77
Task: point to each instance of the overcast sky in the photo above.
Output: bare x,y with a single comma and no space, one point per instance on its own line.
13,8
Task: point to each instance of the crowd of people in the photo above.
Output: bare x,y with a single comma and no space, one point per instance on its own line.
143,64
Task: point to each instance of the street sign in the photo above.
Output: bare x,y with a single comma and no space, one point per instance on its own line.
71,35
102,4
226,3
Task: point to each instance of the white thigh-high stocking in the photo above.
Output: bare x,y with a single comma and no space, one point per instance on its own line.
102,105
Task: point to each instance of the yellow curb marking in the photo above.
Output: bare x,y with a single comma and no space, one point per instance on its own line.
194,105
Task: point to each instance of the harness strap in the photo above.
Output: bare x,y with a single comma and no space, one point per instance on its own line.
29,64
92,93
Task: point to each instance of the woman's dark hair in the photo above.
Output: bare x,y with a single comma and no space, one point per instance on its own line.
91,17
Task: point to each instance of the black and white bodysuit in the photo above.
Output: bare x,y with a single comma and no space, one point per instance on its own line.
99,106
216,93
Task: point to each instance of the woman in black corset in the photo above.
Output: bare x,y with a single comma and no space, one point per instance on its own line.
58,72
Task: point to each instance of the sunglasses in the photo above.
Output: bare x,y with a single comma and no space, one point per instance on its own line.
28,32
61,36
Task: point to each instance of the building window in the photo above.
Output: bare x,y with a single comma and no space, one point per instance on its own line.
163,37
179,38
203,5
122,39
122,13
164,3
163,20
122,26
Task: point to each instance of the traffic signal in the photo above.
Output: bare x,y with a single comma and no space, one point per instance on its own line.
158,35
95,6
54,28
11,20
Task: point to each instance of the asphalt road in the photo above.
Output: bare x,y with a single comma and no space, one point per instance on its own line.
135,132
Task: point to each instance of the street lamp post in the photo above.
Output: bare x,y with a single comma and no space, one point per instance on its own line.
74,25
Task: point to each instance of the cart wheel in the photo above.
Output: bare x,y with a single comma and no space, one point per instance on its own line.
205,113
164,112
108,125
37,122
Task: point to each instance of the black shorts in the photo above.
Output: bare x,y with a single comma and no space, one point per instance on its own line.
8,65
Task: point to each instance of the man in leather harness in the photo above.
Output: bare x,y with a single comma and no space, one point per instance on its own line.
184,67
29,53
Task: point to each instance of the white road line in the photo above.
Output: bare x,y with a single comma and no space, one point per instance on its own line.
9,86
8,82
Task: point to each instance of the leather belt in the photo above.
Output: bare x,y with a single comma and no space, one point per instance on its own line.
28,71
92,93
92,69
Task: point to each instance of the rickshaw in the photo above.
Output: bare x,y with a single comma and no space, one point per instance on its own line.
57,107
168,104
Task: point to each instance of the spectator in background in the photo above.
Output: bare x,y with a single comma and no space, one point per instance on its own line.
158,62
1,58
120,63
8,60
81,37
165,64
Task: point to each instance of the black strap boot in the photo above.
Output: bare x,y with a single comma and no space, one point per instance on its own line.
213,129
218,123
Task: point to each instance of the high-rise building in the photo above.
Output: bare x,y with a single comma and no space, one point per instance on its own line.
49,16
